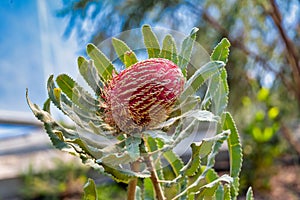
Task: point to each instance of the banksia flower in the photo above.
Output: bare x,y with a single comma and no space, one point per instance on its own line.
142,95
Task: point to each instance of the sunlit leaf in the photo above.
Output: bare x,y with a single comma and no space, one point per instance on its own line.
249,195
89,73
169,50
76,93
151,42
199,77
123,51
186,51
90,191
103,65
221,51
235,151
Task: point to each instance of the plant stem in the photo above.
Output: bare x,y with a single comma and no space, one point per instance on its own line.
154,179
133,182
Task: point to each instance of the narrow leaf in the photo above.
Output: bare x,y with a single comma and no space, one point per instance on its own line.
103,65
90,75
76,93
149,193
221,51
123,50
249,195
186,51
129,58
235,151
169,50
151,42
90,192
199,77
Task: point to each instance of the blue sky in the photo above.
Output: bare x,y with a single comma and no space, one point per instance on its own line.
32,48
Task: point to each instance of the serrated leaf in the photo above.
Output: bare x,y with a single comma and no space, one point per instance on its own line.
249,195
132,147
167,139
125,54
103,65
48,122
203,149
199,77
90,191
217,140
186,51
217,92
123,175
209,189
188,104
153,145
169,50
227,192
235,151
115,159
175,161
76,93
221,51
151,42
200,115
80,117
90,75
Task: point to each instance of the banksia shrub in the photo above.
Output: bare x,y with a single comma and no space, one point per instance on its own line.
128,129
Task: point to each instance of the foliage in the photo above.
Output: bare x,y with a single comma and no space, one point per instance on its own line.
110,150
65,180
261,138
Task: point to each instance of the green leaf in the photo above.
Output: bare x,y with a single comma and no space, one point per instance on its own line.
126,55
217,92
188,104
175,161
46,118
167,139
149,193
235,151
200,115
221,51
133,147
103,65
90,191
209,189
199,77
76,93
129,58
46,106
123,175
186,50
153,145
249,195
79,116
138,193
169,50
90,75
151,42
227,192
176,164
206,148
